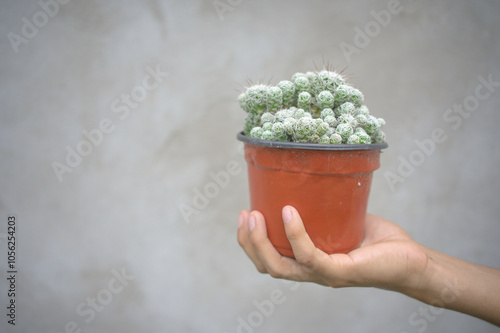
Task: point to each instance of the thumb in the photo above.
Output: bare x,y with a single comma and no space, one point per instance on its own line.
333,270
303,248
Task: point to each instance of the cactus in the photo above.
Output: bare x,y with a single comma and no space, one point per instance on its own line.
304,101
279,132
346,108
256,132
250,122
353,139
331,121
315,107
288,91
242,99
256,99
267,135
267,126
302,84
304,129
274,99
325,100
289,125
335,139
322,128
324,139
345,130
326,112
267,118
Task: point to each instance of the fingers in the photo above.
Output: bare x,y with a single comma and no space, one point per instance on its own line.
303,248
364,266
244,229
273,262
252,236
311,259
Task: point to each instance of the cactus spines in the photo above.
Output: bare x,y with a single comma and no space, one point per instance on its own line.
313,139
282,115
302,84
345,93
279,133
346,108
372,125
345,130
267,118
324,139
330,80
325,100
267,126
347,119
274,99
331,121
256,132
322,127
251,121
356,97
326,112
310,76
342,95
304,101
316,107
353,139
378,137
242,99
267,135
304,129
299,113
335,139
363,110
317,85
289,125
256,98
298,74
288,91
364,138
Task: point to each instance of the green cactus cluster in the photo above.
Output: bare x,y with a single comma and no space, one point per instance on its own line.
314,107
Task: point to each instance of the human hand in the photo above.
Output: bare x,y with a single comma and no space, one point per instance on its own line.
387,258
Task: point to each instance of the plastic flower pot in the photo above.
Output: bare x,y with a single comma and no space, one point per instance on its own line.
328,184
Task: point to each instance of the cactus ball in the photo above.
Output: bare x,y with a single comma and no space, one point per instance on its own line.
256,132
335,139
267,118
353,139
325,100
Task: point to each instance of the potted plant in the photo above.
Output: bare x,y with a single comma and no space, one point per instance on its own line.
311,143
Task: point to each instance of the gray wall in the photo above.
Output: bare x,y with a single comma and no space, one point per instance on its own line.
67,70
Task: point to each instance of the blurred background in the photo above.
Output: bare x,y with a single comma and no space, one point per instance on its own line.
116,119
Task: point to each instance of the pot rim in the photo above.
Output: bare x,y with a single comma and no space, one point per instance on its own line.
309,146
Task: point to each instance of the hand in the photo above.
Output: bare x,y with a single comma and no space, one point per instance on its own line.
387,258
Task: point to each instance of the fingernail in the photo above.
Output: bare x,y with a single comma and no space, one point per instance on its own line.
251,222
287,214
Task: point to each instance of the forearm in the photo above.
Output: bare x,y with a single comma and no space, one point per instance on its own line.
461,286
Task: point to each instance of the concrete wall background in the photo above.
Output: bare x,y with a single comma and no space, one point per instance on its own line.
117,212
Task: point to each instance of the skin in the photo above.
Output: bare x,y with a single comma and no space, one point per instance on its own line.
388,258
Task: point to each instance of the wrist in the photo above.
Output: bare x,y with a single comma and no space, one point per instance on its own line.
422,272
438,284
452,283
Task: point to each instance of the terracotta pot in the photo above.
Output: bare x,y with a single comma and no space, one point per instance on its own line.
328,184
